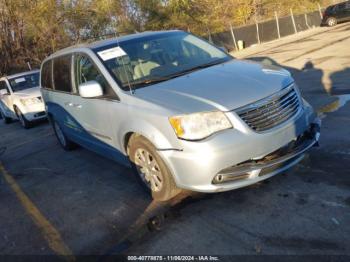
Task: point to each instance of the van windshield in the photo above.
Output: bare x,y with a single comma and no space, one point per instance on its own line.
154,58
24,82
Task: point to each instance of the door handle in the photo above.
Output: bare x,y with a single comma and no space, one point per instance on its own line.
73,105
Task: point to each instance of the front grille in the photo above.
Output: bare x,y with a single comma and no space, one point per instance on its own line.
271,111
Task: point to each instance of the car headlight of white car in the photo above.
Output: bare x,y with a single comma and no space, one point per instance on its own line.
199,125
30,101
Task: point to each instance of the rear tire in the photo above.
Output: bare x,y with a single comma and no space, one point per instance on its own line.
332,21
65,143
151,170
5,119
22,119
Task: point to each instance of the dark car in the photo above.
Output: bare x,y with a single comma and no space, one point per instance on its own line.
336,14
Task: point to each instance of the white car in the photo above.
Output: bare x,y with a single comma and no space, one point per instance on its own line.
20,98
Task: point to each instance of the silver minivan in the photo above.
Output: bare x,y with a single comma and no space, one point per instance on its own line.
181,112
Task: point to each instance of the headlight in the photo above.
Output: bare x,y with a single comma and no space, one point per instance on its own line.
200,125
30,101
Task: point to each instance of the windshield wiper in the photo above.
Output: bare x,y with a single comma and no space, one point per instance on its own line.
216,62
149,81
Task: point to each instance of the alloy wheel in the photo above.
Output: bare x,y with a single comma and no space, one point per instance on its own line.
332,22
148,169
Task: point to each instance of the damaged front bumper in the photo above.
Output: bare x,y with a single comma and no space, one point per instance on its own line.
273,163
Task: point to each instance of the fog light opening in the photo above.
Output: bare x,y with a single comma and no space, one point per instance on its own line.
219,178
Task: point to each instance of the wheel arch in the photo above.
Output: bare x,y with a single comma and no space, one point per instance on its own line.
19,107
126,141
160,139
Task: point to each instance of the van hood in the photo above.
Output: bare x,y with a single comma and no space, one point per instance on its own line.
28,93
222,87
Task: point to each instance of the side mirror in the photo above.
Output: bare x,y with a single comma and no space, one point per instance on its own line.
224,49
90,89
4,92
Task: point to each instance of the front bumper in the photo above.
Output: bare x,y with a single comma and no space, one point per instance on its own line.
240,155
34,112
273,163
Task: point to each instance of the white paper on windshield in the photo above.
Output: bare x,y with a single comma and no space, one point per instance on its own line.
111,53
19,80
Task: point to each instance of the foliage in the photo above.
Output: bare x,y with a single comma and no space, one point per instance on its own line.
32,29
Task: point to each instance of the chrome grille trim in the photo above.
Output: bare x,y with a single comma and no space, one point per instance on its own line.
255,112
275,113
271,111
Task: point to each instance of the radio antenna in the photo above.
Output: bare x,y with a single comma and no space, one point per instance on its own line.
116,34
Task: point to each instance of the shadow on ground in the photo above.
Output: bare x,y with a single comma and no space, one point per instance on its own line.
311,83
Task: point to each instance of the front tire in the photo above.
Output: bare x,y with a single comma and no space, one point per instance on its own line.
332,22
151,170
22,119
65,143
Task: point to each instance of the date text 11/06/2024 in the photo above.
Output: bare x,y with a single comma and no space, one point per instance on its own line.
173,258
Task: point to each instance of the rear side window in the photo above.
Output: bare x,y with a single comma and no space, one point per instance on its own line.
46,75
330,9
62,73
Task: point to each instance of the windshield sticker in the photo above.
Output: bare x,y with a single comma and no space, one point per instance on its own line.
111,53
19,80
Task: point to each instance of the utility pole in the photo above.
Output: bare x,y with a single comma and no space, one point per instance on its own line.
306,21
320,10
209,36
294,25
233,37
257,31
278,25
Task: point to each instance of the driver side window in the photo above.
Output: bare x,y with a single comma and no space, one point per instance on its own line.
86,70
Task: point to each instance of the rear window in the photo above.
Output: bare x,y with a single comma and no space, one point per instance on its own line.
46,75
62,73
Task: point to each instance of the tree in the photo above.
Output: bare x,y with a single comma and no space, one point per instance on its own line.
32,29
